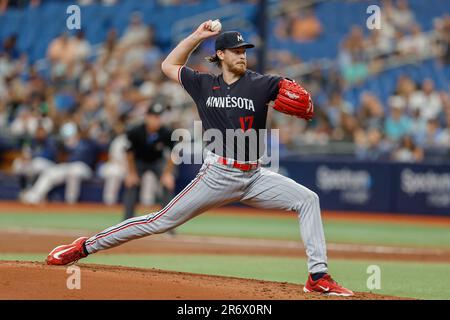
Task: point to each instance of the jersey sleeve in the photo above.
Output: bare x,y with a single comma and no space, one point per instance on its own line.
272,85
190,80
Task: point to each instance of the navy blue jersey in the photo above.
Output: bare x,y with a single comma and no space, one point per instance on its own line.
86,150
240,105
46,148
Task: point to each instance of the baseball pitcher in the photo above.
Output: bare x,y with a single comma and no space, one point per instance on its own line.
236,99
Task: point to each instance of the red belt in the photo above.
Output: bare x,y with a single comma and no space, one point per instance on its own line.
237,165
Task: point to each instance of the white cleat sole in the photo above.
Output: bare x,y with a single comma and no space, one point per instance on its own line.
330,293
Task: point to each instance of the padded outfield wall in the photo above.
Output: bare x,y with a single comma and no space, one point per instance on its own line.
341,185
368,186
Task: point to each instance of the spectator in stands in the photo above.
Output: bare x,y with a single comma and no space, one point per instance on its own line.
402,16
3,118
92,115
298,25
24,124
279,59
305,26
16,92
27,121
81,47
60,52
65,101
371,146
4,4
321,131
284,25
405,87
82,154
352,56
333,81
9,47
427,100
407,151
355,44
378,46
387,25
444,135
140,55
335,107
347,128
88,79
152,55
445,113
38,154
108,48
418,126
445,40
434,137
435,141
316,81
416,44
441,39
370,111
136,33
397,124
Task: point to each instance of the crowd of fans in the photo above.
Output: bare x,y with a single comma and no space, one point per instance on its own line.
415,120
400,36
89,92
5,4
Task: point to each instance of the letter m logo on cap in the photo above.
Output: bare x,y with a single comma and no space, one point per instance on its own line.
240,38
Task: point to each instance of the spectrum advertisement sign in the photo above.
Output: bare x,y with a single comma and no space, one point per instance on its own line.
366,186
345,186
423,189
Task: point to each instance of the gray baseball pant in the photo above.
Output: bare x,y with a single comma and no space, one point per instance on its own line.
216,185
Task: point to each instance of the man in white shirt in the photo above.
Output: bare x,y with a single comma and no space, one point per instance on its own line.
427,100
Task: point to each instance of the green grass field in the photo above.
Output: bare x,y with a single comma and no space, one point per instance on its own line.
268,227
405,279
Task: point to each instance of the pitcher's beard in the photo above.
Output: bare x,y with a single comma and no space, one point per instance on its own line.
238,69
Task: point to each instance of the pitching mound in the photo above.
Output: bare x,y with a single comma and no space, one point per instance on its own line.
35,280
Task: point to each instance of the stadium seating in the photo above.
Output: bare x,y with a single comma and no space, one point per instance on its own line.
37,27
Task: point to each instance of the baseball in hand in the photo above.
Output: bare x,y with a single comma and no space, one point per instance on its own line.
215,26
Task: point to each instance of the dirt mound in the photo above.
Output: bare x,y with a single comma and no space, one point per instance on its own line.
35,280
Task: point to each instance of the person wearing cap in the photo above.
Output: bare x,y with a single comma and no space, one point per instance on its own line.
236,100
147,160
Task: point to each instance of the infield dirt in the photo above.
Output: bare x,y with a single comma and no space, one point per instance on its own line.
35,280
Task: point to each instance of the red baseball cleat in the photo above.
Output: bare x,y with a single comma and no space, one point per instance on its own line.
69,253
326,285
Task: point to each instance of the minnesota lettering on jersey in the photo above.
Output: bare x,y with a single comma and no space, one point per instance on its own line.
230,102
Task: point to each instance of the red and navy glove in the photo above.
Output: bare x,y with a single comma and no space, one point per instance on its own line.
294,100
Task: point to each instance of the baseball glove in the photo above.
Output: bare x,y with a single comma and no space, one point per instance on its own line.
294,100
